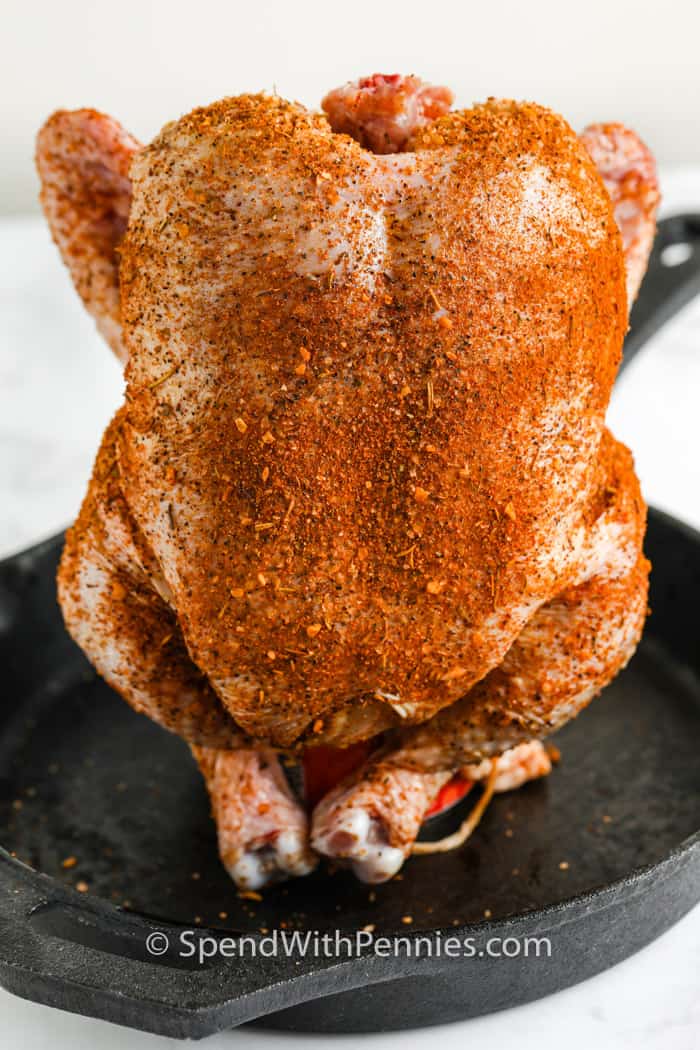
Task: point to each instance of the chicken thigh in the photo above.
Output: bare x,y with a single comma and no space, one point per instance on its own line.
361,485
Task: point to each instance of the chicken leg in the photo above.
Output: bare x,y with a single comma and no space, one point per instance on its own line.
564,656
116,605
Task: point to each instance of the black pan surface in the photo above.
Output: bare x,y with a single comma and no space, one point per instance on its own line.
107,837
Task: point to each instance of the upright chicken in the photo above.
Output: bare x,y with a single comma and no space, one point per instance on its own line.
361,487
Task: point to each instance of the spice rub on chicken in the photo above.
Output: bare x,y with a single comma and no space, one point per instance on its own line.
361,486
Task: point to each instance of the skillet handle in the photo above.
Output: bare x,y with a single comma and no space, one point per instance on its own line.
671,281
83,955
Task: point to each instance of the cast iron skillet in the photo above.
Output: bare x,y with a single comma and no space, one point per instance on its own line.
600,858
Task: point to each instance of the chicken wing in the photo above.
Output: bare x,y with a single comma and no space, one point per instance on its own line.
83,158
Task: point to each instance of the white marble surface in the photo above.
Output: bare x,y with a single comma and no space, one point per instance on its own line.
58,386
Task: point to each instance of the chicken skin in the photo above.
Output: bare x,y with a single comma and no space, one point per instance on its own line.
361,486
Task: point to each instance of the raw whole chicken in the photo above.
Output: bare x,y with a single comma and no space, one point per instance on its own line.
361,487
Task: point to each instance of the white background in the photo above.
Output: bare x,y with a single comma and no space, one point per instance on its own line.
146,63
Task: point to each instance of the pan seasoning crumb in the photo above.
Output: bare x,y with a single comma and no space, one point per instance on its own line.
69,862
